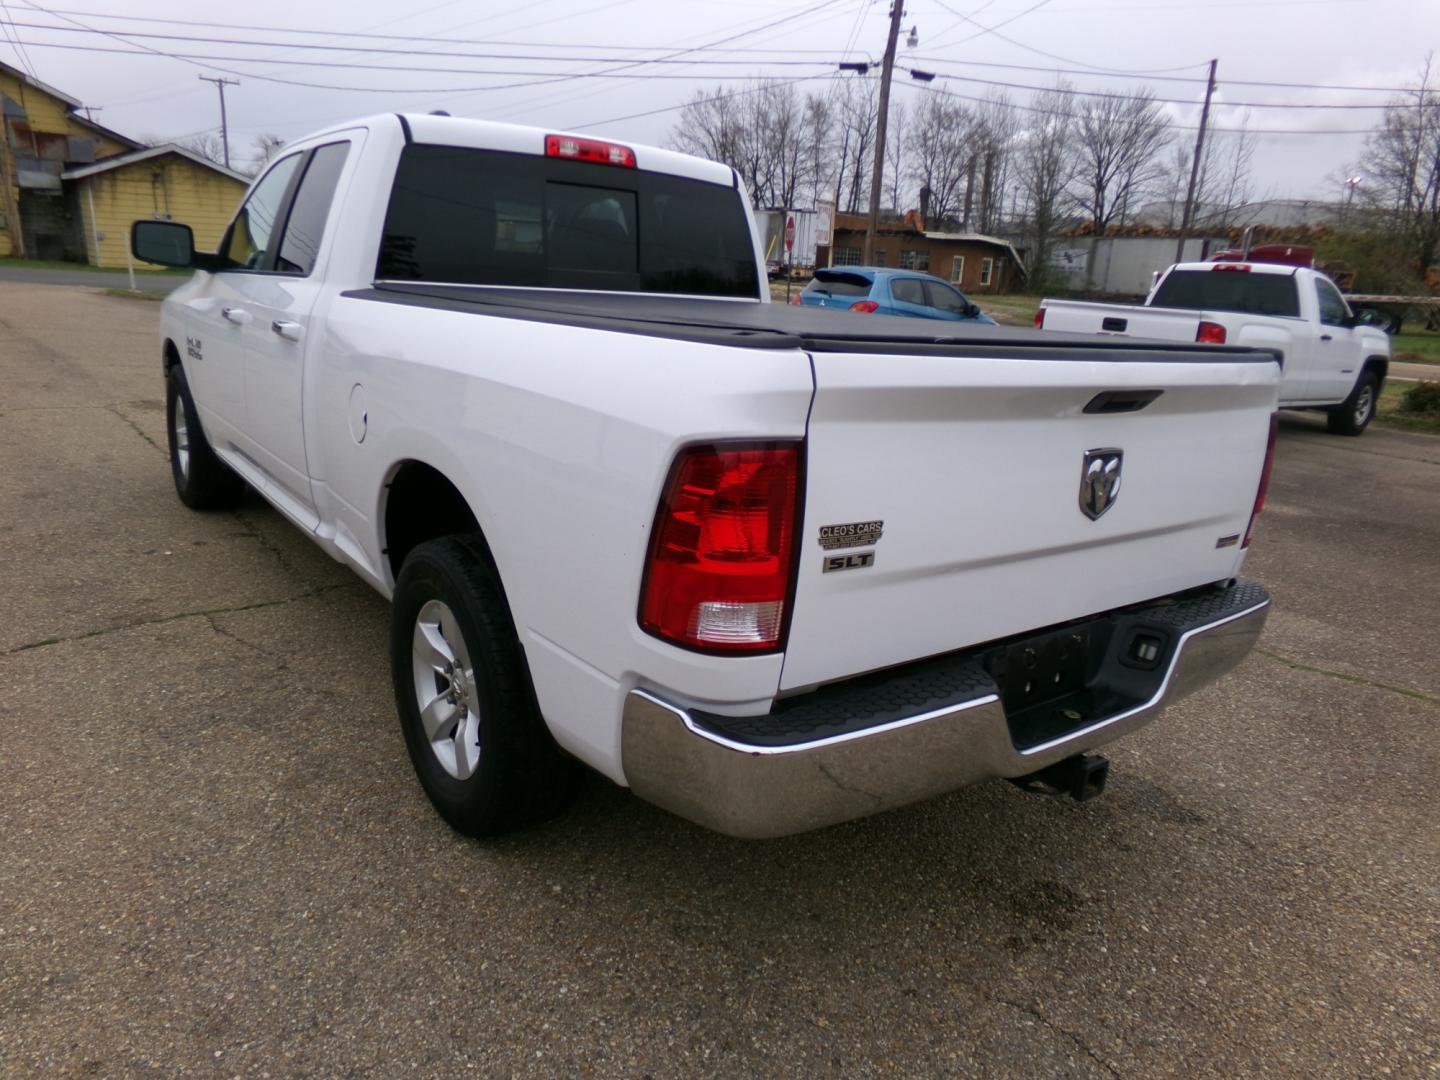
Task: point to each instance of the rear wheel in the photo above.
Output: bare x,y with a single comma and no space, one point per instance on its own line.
202,480
1353,415
471,722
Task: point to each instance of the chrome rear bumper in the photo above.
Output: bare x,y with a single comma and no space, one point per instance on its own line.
686,762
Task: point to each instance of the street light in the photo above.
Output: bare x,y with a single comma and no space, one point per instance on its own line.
1351,183
913,39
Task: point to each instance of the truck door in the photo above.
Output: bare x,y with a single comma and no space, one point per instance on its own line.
215,317
1337,360
282,307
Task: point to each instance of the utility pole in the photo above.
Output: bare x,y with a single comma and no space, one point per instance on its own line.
220,84
1188,217
877,172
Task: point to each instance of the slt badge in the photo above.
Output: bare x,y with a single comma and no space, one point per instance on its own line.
1100,480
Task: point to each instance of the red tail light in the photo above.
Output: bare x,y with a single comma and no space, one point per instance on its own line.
602,153
865,307
1210,333
1264,480
1234,268
1040,319
718,574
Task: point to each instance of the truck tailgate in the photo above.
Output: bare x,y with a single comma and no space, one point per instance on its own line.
1132,320
962,476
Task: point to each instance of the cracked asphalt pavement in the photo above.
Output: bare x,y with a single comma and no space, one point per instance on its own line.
214,859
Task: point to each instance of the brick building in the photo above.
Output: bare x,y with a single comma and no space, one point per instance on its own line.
974,263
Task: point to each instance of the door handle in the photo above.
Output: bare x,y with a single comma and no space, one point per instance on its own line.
290,331
1326,337
238,316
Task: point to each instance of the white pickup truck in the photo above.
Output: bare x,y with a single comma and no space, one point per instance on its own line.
1333,360
771,567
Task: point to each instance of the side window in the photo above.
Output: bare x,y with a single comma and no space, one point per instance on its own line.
908,291
945,298
248,241
306,224
1332,305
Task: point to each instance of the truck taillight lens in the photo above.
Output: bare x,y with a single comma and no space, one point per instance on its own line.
601,153
865,307
1040,319
1264,480
1210,333
718,574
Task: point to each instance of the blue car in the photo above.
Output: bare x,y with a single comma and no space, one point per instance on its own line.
889,292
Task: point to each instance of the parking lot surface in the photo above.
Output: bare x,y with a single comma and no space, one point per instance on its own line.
214,859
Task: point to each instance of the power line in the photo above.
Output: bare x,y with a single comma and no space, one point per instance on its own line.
1072,91
1052,70
1172,126
683,104
1052,56
549,57
991,29
208,64
412,69
447,40
564,97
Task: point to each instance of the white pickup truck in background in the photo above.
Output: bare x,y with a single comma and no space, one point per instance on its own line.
1332,359
771,567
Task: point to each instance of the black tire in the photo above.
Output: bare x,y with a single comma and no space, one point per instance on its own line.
202,480
519,775
1353,415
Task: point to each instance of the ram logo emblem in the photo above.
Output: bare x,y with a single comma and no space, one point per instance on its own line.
1100,481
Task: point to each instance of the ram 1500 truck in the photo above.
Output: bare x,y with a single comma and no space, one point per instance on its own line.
1333,361
770,567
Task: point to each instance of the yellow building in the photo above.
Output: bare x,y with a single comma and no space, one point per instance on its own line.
163,183
70,188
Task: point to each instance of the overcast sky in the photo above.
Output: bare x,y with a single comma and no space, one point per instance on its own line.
1335,43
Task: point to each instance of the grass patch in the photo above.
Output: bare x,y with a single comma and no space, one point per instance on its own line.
1416,346
1390,411
50,264
1010,310
136,294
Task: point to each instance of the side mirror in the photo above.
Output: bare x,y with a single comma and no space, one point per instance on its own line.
167,243
972,311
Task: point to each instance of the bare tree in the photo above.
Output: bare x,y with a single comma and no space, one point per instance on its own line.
266,147
897,154
1119,140
993,138
858,110
939,134
767,133
1402,171
207,145
819,145
1045,166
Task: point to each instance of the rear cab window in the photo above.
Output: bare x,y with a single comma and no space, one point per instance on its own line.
1229,290
486,217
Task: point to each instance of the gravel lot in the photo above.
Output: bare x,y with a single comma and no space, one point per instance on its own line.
214,860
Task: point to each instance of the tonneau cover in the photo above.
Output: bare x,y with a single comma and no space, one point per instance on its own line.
755,325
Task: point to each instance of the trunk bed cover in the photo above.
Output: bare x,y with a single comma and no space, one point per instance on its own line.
754,325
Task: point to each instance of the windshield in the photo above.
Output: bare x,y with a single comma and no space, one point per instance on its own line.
482,217
1229,290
